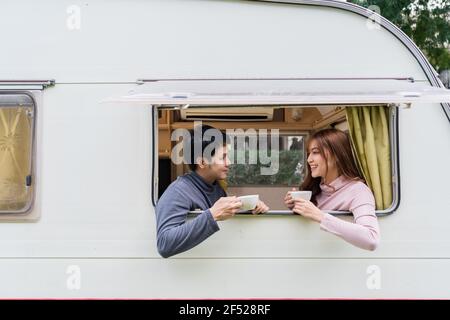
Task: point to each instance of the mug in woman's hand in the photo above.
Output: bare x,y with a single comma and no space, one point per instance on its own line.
306,195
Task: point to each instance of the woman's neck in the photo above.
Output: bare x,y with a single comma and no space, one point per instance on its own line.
331,176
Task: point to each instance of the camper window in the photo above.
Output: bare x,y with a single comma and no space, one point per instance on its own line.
16,141
268,157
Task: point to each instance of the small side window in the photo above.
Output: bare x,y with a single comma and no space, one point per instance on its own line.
291,154
16,152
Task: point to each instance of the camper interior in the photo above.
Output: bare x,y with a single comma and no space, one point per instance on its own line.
293,125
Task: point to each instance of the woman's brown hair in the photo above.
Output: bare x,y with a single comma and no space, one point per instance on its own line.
337,145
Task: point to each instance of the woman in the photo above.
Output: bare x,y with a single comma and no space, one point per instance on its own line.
335,183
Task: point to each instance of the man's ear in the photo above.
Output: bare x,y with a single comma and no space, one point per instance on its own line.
201,163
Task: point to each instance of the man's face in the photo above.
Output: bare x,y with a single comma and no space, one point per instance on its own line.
218,168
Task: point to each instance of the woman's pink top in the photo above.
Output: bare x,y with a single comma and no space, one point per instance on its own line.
354,196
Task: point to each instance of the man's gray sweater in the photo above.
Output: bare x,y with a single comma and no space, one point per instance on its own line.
187,193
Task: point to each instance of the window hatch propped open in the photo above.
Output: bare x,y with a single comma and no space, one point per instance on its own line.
191,93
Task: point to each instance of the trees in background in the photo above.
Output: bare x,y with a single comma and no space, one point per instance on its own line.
426,22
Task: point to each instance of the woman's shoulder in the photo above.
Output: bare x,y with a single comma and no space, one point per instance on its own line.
358,184
361,193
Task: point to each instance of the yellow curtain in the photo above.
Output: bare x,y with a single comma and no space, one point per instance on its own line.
369,133
15,157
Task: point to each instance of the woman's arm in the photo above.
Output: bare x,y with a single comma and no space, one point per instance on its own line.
364,232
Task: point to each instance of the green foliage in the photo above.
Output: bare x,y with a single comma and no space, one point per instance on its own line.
290,170
426,22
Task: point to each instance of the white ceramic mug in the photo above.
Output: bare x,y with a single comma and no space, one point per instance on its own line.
306,195
249,202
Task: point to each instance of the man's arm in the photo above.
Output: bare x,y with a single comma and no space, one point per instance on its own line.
175,234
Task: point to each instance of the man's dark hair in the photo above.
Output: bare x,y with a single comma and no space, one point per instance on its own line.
205,136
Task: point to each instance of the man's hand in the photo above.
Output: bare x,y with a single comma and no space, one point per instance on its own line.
261,207
225,208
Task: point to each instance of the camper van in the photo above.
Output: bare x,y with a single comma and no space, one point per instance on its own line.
91,93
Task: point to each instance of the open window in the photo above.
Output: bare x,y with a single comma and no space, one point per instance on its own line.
295,108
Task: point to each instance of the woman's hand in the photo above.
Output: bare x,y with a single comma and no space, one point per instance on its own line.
288,201
308,210
260,208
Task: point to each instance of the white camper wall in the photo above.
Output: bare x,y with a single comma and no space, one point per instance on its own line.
95,178
120,41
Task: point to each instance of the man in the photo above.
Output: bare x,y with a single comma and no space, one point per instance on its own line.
198,189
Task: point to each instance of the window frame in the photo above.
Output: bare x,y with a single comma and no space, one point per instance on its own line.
395,164
28,209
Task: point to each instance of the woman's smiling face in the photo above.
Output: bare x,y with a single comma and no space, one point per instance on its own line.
318,164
